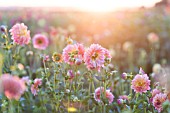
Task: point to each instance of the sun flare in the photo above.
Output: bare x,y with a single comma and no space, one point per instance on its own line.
86,5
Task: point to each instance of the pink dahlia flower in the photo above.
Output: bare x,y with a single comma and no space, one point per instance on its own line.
141,83
94,57
158,100
20,34
34,87
108,95
40,41
12,86
107,53
73,54
154,92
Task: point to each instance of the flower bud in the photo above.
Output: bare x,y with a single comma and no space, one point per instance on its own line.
119,101
78,61
124,76
3,35
78,73
3,29
70,74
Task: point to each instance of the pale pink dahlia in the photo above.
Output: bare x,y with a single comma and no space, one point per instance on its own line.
158,100
154,92
141,83
73,54
12,86
34,87
20,34
107,53
94,57
40,41
100,91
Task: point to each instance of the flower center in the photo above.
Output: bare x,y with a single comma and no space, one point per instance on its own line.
39,42
140,84
158,102
94,56
23,33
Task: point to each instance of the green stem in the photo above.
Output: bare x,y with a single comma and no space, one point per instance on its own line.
11,108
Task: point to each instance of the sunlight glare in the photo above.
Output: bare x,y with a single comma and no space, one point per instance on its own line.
86,5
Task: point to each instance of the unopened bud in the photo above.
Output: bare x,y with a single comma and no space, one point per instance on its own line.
78,61
3,29
124,76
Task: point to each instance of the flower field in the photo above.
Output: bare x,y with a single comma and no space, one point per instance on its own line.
73,62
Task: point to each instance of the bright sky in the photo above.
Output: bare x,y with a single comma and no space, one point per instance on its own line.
89,5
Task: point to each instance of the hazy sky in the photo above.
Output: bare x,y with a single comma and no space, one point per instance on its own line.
82,4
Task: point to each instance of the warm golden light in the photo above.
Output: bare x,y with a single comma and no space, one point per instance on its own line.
87,5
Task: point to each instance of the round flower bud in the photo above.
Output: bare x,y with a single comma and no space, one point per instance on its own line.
3,29
124,76
119,101
78,61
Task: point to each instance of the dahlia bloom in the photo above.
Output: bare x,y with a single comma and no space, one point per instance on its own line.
34,87
158,100
154,92
107,56
12,86
108,95
71,53
40,42
141,83
94,57
20,34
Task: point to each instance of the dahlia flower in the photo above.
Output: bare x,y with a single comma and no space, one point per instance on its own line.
94,57
154,92
34,87
71,53
158,100
108,95
12,86
141,83
20,34
40,42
